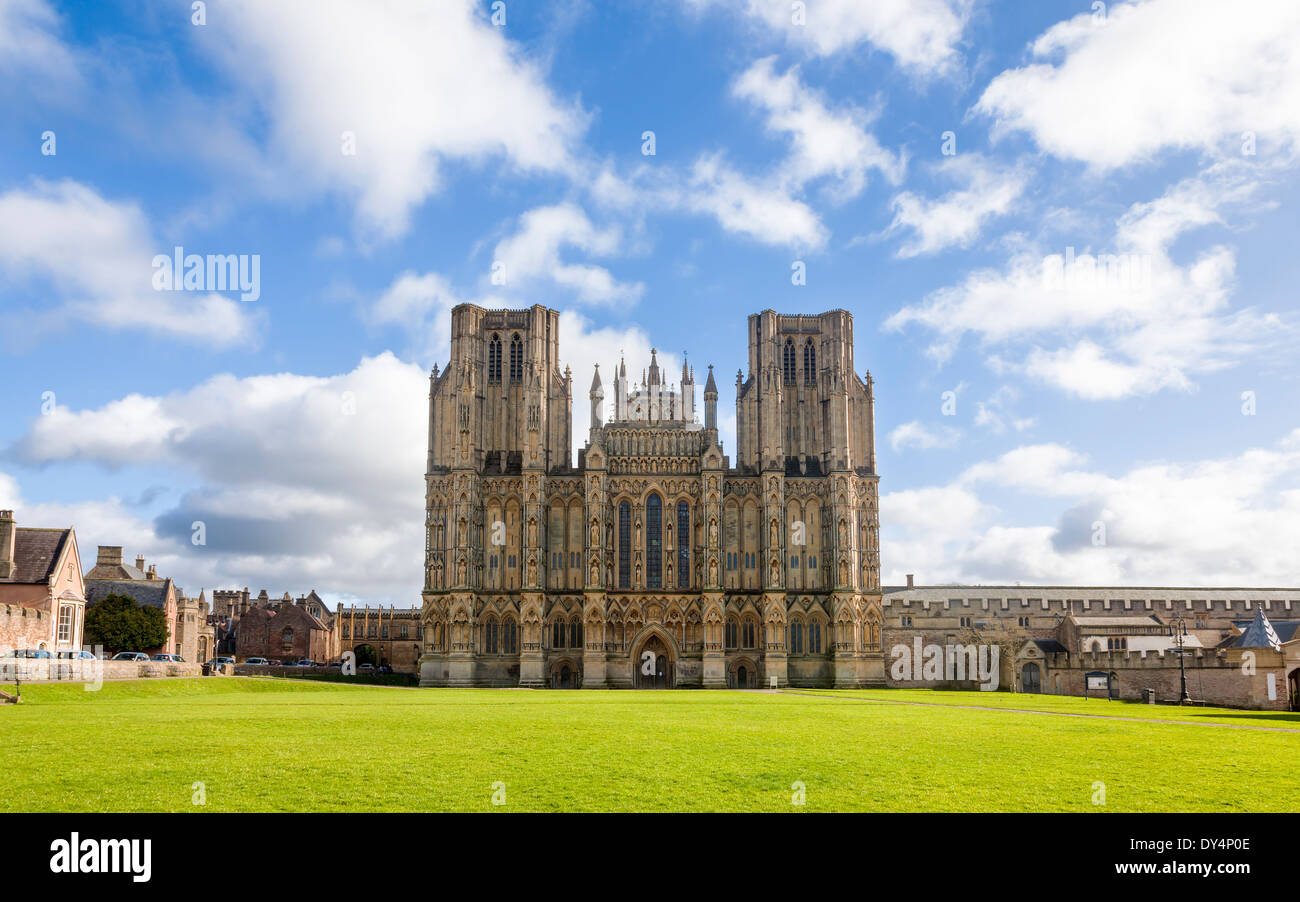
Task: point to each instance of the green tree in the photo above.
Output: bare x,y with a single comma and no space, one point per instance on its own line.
118,623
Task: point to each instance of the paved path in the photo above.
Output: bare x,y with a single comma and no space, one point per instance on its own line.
1186,723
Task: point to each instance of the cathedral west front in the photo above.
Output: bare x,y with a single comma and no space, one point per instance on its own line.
656,561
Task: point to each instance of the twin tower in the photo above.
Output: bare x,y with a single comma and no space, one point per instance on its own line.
654,562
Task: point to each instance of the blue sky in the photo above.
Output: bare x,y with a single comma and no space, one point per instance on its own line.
292,426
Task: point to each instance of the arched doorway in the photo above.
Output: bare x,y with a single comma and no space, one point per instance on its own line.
742,677
565,674
1029,678
366,654
653,664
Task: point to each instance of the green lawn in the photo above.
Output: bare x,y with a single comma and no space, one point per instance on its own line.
274,745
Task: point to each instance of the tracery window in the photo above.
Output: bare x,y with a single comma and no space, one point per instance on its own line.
796,638
809,363
683,545
625,546
510,638
490,637
787,362
814,638
494,358
653,542
516,359
731,640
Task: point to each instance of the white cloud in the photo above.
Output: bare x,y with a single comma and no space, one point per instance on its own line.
98,255
1231,521
301,481
29,43
918,435
995,413
533,252
762,210
823,142
1149,322
1185,74
957,217
418,85
921,35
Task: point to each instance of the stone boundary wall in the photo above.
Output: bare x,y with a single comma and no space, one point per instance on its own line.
81,671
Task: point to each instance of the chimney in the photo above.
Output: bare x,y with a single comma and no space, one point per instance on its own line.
109,556
909,580
139,562
8,531
153,571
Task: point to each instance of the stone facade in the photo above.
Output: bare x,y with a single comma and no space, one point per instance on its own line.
42,594
382,636
1052,638
654,561
281,628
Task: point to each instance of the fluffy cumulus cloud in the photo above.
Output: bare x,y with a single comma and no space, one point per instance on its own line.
533,253
298,481
1117,87
29,43
410,87
1123,321
97,254
984,191
1230,521
922,36
916,434
824,142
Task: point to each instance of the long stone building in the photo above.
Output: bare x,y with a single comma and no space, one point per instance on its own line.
655,560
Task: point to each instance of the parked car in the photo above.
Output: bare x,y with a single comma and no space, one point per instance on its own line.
217,662
366,666
27,653
306,662
335,665
82,655
169,659
257,661
129,656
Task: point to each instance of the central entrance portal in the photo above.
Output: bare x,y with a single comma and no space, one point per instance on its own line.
653,665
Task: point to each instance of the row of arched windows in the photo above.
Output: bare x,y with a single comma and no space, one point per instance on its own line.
789,360
495,358
499,638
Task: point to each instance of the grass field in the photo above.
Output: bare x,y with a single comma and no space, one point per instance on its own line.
276,745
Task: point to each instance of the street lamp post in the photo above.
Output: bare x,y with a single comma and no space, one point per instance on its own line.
1180,630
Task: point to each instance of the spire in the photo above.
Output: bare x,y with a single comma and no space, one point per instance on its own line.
710,385
654,368
1260,633
595,381
686,371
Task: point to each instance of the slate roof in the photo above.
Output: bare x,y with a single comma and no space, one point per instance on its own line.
151,592
115,571
1260,633
1050,646
1286,629
36,554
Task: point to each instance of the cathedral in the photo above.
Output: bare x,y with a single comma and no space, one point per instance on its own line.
656,561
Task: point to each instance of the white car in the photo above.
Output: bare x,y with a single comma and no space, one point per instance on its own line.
169,659
130,656
257,661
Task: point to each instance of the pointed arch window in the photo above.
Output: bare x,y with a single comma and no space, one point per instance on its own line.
683,545
494,358
809,363
796,638
625,546
510,638
654,562
787,362
516,359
